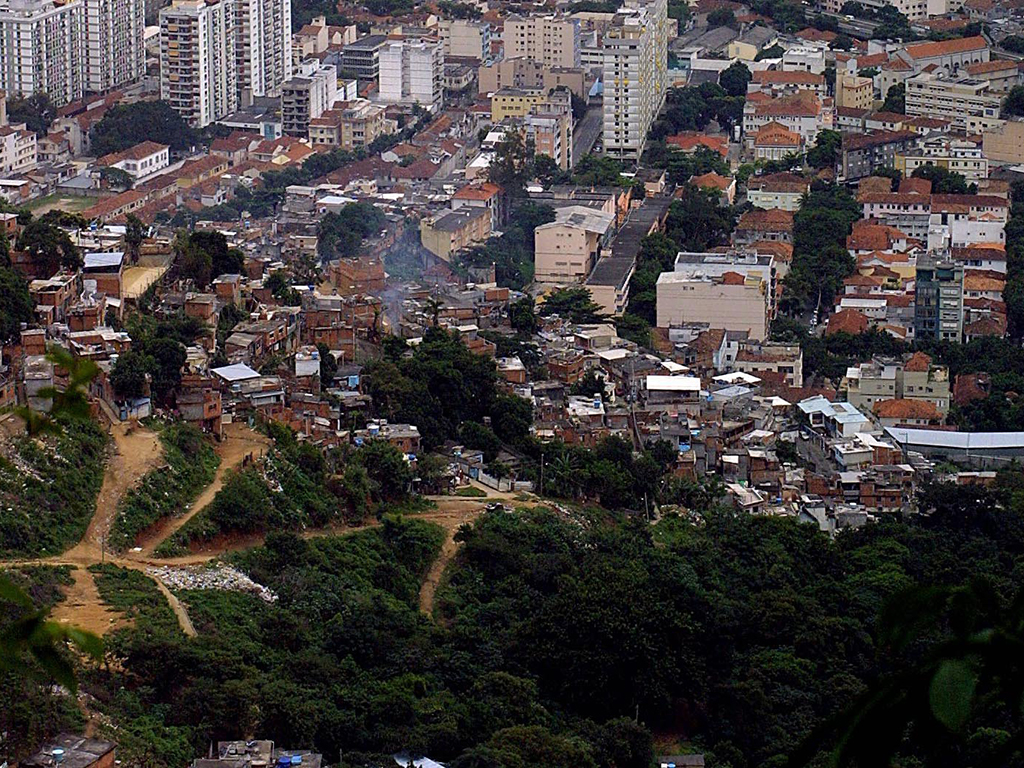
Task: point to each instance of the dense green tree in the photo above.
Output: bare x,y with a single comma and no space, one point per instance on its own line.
16,305
522,316
722,17
125,125
896,99
386,467
512,165
50,245
340,234
826,150
944,181
573,304
735,78
36,112
128,376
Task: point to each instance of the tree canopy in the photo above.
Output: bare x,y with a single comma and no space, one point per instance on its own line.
125,125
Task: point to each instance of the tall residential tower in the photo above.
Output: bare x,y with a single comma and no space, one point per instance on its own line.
635,76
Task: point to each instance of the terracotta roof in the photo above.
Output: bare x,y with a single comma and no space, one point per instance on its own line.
484,191
817,35
986,326
689,141
968,387
946,47
712,180
912,186
919,362
893,198
803,104
906,409
854,141
886,117
779,182
847,321
896,64
985,67
982,283
972,201
874,185
138,152
776,135
862,281
872,60
771,220
781,251
733,278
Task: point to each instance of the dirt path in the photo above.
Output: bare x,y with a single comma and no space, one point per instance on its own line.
83,607
179,610
239,441
136,452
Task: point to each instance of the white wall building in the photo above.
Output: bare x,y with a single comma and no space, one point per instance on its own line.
307,96
635,75
42,49
114,43
198,72
263,46
412,71
551,40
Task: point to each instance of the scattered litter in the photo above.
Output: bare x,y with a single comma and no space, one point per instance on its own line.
217,577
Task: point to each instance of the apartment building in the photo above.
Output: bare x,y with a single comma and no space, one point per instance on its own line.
551,40
466,39
412,72
357,124
453,231
803,113
733,291
263,47
566,249
939,299
915,378
142,160
964,101
549,124
307,97
526,73
854,92
1005,143
362,58
42,49
777,190
864,153
115,51
18,149
198,73
957,155
635,60
785,83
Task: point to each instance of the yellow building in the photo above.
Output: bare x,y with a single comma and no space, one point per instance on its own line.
449,233
514,102
854,92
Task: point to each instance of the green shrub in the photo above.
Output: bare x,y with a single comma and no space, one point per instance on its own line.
48,489
191,464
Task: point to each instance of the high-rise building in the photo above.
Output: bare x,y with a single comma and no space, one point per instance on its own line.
412,71
198,73
635,75
939,298
115,52
42,48
263,46
307,96
466,39
551,40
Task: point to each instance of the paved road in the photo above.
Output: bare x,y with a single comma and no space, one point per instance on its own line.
586,133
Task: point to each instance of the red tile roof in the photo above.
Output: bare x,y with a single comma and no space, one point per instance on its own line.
946,47
919,362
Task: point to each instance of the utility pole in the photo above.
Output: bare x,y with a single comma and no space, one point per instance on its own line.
542,474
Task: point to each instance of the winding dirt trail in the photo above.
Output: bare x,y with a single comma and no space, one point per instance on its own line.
136,451
239,441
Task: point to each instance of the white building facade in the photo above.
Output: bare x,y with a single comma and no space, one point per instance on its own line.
412,71
42,49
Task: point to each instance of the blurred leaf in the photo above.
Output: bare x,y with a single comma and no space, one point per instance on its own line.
952,692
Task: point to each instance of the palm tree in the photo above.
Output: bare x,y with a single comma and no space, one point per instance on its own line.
71,402
434,307
32,634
